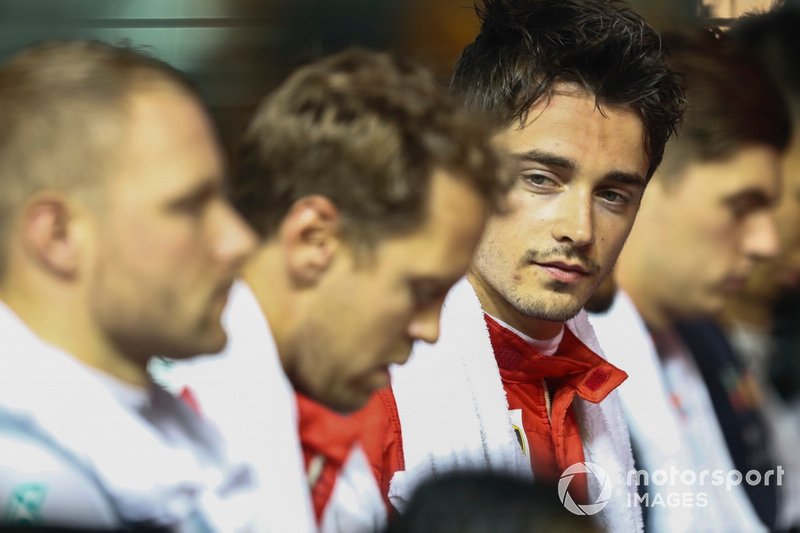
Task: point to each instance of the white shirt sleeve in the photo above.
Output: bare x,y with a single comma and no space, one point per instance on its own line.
37,486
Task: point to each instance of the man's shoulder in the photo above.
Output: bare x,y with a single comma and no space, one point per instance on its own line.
41,484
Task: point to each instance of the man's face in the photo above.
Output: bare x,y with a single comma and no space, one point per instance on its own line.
370,309
708,226
770,278
581,177
168,244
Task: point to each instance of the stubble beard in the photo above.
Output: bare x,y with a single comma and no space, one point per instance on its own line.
540,307
542,302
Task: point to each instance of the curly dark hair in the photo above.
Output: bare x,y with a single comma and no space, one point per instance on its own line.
723,114
526,47
366,130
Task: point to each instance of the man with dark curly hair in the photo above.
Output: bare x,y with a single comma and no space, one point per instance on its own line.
585,102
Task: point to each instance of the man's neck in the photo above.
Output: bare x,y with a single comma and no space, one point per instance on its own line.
757,314
641,289
656,318
61,324
263,276
495,305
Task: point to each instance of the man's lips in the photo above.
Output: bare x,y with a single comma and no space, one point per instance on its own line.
735,283
569,267
565,272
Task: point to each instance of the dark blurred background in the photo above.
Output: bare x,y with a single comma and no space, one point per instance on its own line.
237,50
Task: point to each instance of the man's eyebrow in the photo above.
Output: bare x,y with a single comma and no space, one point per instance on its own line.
627,178
547,158
198,193
550,159
753,196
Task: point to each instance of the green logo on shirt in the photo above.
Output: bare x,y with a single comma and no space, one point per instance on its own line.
25,505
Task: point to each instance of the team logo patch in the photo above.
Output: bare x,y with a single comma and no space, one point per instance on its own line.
25,505
519,431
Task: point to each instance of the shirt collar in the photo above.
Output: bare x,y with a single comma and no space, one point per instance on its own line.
573,364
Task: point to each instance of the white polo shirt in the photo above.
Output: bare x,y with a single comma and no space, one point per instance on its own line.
80,449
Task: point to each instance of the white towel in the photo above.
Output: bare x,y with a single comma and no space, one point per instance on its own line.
661,439
246,394
356,504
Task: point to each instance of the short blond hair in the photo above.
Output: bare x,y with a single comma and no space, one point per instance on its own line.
61,106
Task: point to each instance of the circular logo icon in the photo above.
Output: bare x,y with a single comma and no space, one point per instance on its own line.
590,469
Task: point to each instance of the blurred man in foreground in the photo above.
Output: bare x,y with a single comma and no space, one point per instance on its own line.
116,244
369,190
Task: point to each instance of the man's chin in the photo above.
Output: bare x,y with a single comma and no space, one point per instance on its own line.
711,304
553,307
790,280
218,343
560,314
208,342
347,405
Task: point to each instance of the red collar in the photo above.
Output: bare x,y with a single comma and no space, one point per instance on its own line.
573,364
324,431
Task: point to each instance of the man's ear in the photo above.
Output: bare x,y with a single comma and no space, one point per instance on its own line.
48,234
310,236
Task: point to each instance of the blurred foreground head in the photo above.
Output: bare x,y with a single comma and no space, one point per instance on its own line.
480,502
707,217
774,37
369,189
115,240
